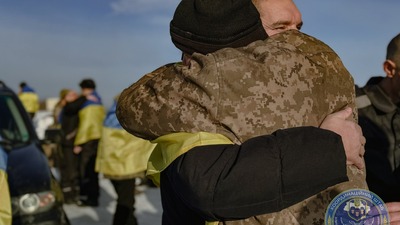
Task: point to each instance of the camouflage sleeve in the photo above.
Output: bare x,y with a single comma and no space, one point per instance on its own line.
339,85
168,100
139,102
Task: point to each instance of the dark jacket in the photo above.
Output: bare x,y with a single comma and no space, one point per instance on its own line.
70,120
379,119
220,183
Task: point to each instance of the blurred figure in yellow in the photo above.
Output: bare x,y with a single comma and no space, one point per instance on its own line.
91,116
29,98
5,204
122,157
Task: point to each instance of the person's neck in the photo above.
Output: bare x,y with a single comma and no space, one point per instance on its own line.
186,59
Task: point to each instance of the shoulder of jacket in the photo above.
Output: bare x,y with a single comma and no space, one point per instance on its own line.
161,69
226,54
149,76
362,101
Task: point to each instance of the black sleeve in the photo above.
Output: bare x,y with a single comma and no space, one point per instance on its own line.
265,174
73,107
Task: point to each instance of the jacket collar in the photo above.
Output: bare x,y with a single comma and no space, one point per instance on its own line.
380,99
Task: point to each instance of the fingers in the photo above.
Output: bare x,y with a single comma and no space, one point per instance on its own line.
351,134
393,206
343,114
363,140
362,149
394,212
357,161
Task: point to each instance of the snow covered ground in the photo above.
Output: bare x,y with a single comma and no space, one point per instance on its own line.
148,207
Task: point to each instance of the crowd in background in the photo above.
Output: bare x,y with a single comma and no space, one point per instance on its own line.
91,142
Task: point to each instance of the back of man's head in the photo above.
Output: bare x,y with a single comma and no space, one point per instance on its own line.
206,26
87,84
393,50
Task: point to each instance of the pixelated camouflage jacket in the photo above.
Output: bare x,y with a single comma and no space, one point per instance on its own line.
288,80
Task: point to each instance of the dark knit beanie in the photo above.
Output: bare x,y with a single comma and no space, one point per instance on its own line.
205,26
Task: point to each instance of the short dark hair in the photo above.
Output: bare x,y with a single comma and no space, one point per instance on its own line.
393,49
22,84
87,83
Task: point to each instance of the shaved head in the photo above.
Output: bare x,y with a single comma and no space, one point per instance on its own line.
278,15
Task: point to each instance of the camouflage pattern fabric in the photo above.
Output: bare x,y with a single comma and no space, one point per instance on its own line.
288,80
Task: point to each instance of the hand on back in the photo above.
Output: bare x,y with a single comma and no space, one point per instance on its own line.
351,133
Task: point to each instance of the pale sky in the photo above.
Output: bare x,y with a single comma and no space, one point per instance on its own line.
54,44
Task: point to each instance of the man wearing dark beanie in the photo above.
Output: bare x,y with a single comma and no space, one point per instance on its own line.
216,120
205,26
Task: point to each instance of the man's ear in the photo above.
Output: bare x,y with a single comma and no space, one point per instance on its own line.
389,67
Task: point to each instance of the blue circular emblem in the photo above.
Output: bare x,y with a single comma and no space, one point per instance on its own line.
357,207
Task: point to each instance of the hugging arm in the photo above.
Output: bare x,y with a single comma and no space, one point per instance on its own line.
265,174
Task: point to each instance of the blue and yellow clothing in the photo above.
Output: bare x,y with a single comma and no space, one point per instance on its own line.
120,154
91,116
29,99
5,203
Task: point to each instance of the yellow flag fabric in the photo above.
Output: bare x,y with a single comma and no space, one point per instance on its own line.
30,100
90,123
212,223
122,154
5,204
171,146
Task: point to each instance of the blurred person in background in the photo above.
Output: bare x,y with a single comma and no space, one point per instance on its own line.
53,147
5,203
122,158
58,108
70,104
379,106
29,99
91,116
